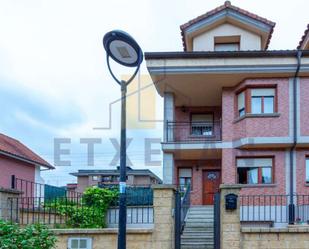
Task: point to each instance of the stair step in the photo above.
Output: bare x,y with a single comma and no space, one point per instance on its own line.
198,232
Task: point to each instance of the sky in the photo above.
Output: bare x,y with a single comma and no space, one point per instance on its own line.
54,81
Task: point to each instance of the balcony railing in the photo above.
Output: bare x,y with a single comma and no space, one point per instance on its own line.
193,131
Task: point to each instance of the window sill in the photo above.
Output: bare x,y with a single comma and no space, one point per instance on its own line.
271,185
201,136
262,115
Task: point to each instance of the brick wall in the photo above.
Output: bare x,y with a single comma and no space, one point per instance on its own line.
229,170
197,176
304,110
255,127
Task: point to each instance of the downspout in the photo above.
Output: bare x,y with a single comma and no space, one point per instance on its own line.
292,205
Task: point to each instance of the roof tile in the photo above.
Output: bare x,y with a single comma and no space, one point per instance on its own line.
226,5
303,37
11,146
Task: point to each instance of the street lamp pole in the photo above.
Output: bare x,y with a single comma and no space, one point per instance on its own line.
123,49
123,168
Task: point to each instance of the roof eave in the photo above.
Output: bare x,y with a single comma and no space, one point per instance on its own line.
23,159
227,5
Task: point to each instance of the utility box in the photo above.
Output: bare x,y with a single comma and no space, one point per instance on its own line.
231,202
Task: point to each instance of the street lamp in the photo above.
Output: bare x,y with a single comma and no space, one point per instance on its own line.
123,49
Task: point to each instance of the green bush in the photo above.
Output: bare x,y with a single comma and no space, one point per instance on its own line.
32,236
89,212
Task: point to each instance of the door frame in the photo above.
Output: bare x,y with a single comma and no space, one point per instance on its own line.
203,172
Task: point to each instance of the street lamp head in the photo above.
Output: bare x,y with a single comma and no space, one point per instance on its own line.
122,48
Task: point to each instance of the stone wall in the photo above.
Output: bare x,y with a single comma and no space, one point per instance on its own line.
106,238
8,208
161,235
284,238
233,236
229,220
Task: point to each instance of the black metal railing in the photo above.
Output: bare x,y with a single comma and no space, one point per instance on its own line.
139,207
40,190
217,229
185,205
271,209
61,212
193,131
182,205
78,212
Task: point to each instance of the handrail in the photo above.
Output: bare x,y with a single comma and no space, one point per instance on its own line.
185,205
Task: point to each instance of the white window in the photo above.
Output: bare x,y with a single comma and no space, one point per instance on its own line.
80,243
185,176
241,104
202,124
227,43
262,100
255,170
307,170
227,47
95,178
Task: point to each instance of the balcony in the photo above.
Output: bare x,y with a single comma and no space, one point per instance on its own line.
193,132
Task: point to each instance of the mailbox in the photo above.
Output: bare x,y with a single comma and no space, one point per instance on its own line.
231,202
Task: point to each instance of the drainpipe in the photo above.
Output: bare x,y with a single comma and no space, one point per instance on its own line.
292,150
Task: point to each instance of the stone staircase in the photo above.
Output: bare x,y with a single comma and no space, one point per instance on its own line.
198,232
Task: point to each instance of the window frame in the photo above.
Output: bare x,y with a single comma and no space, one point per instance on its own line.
236,44
89,242
178,176
95,176
213,124
248,100
227,40
260,177
306,159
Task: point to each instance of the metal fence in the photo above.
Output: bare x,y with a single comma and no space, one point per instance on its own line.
273,209
193,131
182,205
40,190
140,212
77,212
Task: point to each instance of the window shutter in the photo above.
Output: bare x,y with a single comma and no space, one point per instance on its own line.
241,101
265,92
185,172
202,118
254,162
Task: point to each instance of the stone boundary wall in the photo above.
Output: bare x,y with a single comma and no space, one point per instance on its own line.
106,238
296,237
8,210
233,236
161,235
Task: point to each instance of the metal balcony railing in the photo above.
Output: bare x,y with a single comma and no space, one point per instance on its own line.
193,131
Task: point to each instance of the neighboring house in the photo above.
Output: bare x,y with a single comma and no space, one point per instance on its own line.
234,112
87,178
304,42
18,160
71,187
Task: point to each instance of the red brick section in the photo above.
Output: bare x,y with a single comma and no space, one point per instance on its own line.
197,167
227,5
304,110
303,37
11,146
255,127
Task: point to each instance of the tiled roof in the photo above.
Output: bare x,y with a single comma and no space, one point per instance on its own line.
13,148
303,37
226,5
